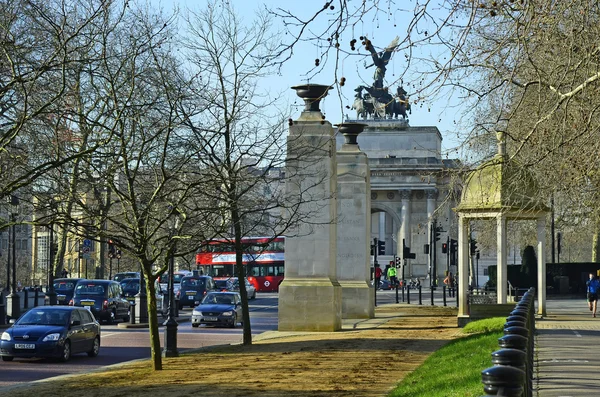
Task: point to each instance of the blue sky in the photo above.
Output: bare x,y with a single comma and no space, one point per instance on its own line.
381,28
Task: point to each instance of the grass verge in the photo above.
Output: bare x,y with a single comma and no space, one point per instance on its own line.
455,369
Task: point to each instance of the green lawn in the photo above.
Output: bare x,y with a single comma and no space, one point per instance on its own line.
455,369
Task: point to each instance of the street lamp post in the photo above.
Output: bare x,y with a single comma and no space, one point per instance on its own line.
13,300
171,324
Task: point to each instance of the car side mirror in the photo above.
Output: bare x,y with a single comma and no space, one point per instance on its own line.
75,322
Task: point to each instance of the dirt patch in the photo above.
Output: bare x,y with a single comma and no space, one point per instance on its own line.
365,362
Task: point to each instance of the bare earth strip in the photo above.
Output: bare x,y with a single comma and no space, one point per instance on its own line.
359,362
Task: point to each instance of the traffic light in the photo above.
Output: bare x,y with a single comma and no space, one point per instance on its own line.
453,246
111,249
372,249
398,261
473,247
118,254
380,247
437,232
444,248
408,254
426,249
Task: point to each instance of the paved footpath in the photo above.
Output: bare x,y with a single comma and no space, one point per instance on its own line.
568,350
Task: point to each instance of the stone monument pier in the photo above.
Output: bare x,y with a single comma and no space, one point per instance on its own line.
310,297
354,226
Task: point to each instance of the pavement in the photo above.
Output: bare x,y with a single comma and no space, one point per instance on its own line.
568,350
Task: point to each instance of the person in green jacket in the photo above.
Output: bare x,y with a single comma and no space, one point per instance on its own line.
392,275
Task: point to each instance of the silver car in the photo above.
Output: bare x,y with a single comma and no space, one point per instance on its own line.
218,308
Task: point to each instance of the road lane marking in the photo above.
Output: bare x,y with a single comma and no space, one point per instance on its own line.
577,334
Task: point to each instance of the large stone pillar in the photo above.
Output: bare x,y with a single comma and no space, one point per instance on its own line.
501,279
405,229
354,226
310,296
541,257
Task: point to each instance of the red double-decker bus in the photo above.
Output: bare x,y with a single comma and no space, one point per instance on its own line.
263,258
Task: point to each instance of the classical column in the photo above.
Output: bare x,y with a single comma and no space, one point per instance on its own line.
463,267
354,226
431,204
405,226
541,257
501,279
310,297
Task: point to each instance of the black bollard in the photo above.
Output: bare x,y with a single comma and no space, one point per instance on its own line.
36,297
512,357
25,299
132,312
516,330
397,301
408,295
513,341
420,297
503,380
431,296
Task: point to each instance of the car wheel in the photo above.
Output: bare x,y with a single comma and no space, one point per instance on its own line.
95,348
111,318
7,358
195,325
234,322
66,353
254,295
127,317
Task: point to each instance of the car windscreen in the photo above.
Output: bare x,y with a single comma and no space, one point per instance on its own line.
64,285
44,317
193,283
89,289
133,285
218,299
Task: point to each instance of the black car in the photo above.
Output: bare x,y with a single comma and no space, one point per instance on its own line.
51,331
121,276
193,289
64,288
218,308
104,298
131,287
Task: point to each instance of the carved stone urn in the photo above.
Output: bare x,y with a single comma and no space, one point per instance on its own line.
351,131
312,95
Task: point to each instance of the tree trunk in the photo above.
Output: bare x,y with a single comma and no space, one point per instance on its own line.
156,354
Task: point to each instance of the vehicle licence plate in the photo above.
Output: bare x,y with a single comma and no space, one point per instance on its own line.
211,319
86,303
24,346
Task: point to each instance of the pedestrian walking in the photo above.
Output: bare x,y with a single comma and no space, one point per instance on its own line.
593,286
377,276
392,275
64,273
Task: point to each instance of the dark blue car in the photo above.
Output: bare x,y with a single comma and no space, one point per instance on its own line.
51,331
218,308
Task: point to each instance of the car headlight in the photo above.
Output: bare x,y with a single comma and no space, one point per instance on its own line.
229,313
196,313
5,336
51,337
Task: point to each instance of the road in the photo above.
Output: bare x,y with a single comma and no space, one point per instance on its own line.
126,344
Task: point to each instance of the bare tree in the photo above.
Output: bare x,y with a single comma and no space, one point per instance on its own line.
240,133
